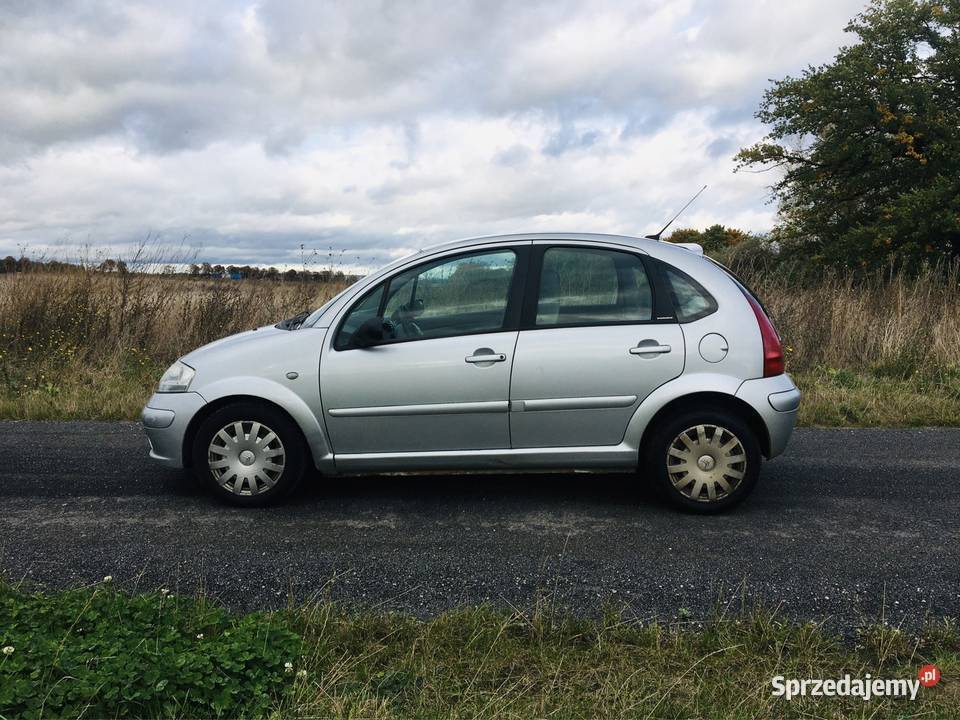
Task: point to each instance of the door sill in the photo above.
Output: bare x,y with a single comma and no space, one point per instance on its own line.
622,456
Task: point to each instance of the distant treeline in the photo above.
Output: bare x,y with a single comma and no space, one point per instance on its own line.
10,264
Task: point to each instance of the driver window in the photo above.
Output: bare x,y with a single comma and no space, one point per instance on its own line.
465,295
460,296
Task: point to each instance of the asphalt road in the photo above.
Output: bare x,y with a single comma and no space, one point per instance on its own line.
848,525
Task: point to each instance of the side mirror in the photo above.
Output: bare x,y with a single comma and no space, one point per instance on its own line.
371,332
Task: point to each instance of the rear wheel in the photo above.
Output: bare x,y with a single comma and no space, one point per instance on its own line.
704,460
250,454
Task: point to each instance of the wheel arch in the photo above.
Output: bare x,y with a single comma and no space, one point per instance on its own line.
712,399
209,408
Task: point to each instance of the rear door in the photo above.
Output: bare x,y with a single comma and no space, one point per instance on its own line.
596,339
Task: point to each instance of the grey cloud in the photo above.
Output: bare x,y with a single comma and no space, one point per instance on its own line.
186,74
514,156
722,146
569,138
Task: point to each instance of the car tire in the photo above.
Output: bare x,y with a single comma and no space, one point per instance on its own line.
705,460
251,454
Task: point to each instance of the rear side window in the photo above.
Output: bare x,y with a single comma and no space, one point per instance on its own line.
586,286
690,301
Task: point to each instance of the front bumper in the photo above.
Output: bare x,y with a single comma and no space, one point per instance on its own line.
777,400
165,420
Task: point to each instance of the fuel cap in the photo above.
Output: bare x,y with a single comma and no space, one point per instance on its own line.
713,347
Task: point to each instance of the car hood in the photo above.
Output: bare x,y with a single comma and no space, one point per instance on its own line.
246,340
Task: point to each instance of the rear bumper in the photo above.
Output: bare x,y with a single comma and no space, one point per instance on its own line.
165,420
777,400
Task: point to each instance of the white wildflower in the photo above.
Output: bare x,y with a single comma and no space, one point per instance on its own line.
108,578
288,666
8,650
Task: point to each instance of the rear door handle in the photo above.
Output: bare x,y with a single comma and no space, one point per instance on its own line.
650,350
491,358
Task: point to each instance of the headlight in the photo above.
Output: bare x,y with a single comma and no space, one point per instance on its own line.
177,378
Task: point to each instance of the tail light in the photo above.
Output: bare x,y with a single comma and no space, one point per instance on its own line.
772,348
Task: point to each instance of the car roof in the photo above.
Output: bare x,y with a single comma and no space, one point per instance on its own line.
526,237
662,249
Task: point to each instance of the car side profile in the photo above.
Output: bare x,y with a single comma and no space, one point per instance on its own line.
564,351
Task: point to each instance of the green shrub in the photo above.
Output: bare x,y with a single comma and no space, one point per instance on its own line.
107,654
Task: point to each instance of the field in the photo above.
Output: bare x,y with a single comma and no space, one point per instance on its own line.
876,350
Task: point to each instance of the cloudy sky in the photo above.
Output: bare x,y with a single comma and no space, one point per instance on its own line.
251,128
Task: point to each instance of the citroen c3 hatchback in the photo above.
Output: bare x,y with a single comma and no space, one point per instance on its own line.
510,353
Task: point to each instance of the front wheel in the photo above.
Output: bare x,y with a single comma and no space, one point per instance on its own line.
249,454
704,461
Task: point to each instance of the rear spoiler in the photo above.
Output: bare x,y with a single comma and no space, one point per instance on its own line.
695,248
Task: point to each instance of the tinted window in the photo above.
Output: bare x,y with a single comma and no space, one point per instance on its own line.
464,295
690,300
583,286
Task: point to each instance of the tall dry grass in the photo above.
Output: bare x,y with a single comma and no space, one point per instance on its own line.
85,344
887,322
866,349
96,315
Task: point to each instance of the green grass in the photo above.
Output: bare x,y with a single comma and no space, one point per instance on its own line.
97,652
847,398
53,389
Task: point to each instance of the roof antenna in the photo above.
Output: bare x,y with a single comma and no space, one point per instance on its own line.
689,203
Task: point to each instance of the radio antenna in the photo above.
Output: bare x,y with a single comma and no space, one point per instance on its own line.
689,203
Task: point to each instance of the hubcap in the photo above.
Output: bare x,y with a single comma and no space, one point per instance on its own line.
706,462
246,457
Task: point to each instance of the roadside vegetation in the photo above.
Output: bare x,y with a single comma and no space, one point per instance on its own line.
100,652
876,348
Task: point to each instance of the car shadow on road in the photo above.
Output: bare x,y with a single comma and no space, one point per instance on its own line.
611,489
522,491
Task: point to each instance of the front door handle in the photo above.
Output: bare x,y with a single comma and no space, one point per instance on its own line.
650,350
488,358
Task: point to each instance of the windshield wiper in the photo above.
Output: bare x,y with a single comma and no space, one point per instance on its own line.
294,322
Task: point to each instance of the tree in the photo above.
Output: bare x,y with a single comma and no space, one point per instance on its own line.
714,239
868,145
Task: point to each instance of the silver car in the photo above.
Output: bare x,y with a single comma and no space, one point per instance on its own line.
508,353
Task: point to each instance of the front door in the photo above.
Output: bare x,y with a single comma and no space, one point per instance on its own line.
592,349
441,382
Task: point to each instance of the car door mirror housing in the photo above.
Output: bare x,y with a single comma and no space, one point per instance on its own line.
372,331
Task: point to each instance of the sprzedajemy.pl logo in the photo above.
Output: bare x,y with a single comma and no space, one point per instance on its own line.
867,687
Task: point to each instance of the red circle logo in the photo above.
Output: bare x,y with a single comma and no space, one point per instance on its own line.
929,675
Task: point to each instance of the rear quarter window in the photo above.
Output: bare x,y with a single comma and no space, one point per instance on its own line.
690,300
